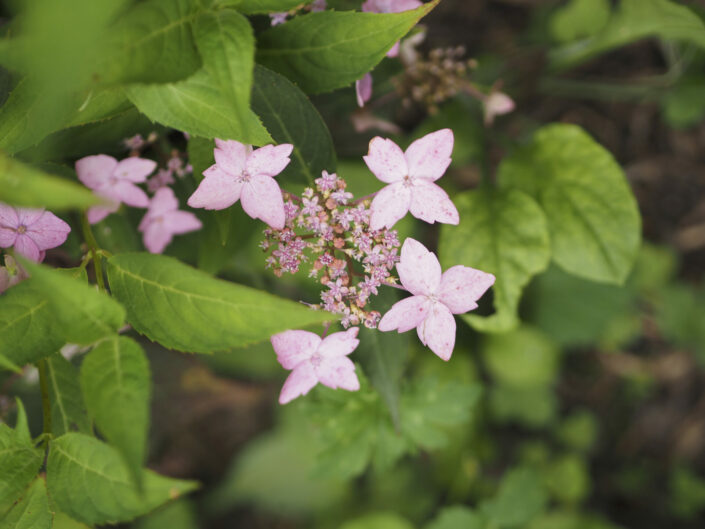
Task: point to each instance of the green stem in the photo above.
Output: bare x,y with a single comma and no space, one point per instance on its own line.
46,403
95,254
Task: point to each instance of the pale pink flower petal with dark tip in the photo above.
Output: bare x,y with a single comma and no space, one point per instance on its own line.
240,173
164,220
31,231
390,6
313,359
436,297
411,176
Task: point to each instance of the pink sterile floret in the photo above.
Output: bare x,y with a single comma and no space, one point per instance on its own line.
411,176
114,181
313,359
497,104
240,173
363,89
390,6
436,297
164,220
31,231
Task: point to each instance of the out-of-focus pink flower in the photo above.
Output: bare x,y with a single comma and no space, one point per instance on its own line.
436,297
363,89
164,220
163,178
390,6
31,231
278,18
313,359
11,274
411,176
114,181
497,104
240,173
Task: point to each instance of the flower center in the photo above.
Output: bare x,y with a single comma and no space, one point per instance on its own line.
244,176
316,360
408,181
22,229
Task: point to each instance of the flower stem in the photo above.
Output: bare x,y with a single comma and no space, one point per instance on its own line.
46,403
93,247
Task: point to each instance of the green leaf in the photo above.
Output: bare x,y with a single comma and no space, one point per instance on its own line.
21,423
180,514
524,357
291,118
32,511
567,479
25,186
101,105
502,232
214,102
84,314
383,520
592,214
635,20
68,413
683,105
579,18
28,330
457,517
255,7
19,461
520,499
6,363
188,310
90,482
327,50
534,407
115,380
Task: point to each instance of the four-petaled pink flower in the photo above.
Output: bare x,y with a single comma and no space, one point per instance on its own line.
436,297
390,6
411,176
240,173
164,220
114,181
31,231
313,359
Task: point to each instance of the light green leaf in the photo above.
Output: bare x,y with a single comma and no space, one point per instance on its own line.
188,310
533,407
19,461
214,102
68,413
64,521
592,215
115,380
100,105
25,186
683,105
21,424
84,314
520,498
635,20
179,514
6,363
90,482
579,18
28,330
567,479
327,50
457,517
291,118
32,511
382,520
504,233
254,7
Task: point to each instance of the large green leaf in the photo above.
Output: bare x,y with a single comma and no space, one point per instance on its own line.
84,314
291,118
68,413
19,461
328,50
634,20
457,517
28,331
90,482
25,186
188,310
520,499
253,7
116,385
32,511
502,232
214,102
592,214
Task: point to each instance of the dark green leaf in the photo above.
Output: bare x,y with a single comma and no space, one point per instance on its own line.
253,7
68,413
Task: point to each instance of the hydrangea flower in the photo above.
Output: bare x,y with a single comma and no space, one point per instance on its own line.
241,173
390,6
114,181
31,231
313,359
497,104
436,297
411,176
164,220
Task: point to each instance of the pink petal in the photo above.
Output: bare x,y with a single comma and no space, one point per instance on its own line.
163,201
231,156
461,287
7,237
48,231
389,205
157,236
127,192
269,160
429,157
394,50
262,199
8,216
218,190
405,314
431,204
95,171
339,343
293,347
180,222
299,382
363,89
98,213
419,269
386,160
338,372
134,169
24,245
438,331
27,216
